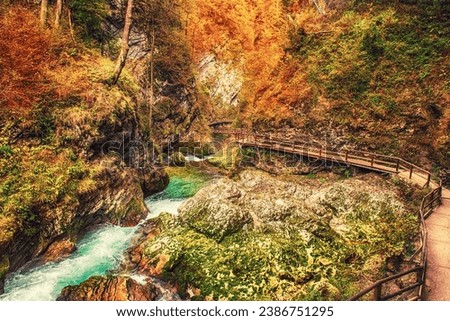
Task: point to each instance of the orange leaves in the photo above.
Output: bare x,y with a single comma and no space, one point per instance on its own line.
24,55
250,35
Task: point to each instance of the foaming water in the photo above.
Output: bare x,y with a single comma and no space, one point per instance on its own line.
99,251
195,159
163,206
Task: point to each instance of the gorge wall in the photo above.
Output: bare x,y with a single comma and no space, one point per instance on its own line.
360,74
73,150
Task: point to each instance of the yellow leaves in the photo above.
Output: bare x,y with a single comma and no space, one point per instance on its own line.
250,34
325,261
86,186
8,226
163,259
273,282
25,54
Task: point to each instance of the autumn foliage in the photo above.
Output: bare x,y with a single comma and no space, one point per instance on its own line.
250,35
25,56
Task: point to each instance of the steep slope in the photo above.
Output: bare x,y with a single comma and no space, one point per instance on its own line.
367,74
237,45
72,151
161,62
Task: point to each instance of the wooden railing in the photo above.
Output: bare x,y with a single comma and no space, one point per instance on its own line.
375,162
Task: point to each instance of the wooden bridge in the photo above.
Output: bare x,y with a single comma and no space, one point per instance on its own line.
220,124
380,290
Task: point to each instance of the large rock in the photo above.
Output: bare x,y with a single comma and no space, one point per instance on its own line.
216,211
260,237
110,289
59,249
256,201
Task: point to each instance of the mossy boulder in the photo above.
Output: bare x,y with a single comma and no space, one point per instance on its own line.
258,237
207,214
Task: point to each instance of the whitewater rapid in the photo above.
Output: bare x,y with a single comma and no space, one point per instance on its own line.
97,253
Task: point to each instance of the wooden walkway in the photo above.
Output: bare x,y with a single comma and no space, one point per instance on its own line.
438,270
432,258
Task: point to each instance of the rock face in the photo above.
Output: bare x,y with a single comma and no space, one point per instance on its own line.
258,237
107,168
110,289
222,81
59,249
256,201
116,196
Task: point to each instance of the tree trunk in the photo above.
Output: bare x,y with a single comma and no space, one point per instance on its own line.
44,9
58,12
125,43
69,18
320,5
152,80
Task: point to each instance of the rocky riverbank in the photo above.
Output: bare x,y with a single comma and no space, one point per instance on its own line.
110,289
81,172
261,237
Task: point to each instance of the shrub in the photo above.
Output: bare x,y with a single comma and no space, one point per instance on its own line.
24,48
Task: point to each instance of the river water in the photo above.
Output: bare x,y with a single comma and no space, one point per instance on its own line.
99,251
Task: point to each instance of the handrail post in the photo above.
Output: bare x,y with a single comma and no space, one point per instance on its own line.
320,152
411,172
372,161
429,180
398,165
346,156
419,276
440,195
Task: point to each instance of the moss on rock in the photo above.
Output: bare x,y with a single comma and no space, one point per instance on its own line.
4,266
322,242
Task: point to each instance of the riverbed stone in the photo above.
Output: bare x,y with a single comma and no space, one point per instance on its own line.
58,250
110,288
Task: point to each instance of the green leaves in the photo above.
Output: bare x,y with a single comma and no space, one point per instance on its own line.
89,17
372,43
6,151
